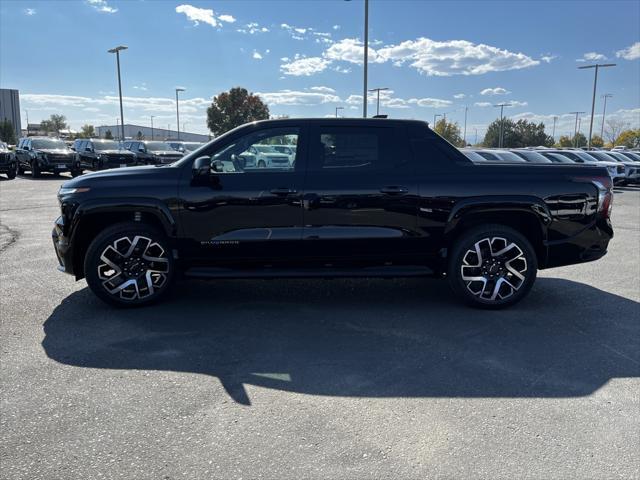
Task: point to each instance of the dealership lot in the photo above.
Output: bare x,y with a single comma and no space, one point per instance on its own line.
341,378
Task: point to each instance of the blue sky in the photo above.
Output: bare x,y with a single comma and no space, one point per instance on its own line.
305,58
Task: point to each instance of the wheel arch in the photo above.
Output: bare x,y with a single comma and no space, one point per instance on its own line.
529,216
89,220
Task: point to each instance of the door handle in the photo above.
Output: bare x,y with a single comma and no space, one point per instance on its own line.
283,191
394,190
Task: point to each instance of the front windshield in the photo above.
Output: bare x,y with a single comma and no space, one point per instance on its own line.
601,157
533,157
106,145
49,144
158,147
473,156
509,157
191,146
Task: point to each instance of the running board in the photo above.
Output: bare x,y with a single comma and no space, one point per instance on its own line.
320,272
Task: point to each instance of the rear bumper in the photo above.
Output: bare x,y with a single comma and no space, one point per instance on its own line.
588,245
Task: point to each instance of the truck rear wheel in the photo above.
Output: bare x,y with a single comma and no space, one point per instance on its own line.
129,264
492,266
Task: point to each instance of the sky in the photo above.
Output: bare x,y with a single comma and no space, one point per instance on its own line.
305,58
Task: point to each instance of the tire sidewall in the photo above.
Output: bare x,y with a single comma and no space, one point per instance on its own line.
467,241
107,237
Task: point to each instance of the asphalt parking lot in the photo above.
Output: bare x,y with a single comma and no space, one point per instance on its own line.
312,378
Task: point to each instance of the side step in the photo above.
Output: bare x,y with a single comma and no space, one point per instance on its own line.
320,272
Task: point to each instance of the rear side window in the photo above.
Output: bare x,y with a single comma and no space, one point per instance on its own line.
351,148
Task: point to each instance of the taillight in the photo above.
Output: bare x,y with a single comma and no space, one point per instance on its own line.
605,193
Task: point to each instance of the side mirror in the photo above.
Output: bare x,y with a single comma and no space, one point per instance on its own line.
201,167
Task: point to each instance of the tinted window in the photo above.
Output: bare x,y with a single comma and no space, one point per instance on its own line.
488,156
351,148
49,143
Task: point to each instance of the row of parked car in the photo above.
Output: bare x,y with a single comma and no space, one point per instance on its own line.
45,154
623,165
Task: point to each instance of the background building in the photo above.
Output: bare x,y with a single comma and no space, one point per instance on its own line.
133,131
10,108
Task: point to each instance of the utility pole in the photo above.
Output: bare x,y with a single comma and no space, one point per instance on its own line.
338,108
117,51
27,114
500,138
476,142
178,89
575,134
152,127
464,135
435,116
604,111
554,128
593,100
378,101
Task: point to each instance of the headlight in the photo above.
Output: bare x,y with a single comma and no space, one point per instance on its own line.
69,191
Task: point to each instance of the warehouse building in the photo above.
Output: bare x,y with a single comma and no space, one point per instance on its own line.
140,131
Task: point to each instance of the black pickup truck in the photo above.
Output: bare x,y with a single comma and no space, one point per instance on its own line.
359,198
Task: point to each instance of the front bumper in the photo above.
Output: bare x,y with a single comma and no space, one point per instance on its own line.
62,247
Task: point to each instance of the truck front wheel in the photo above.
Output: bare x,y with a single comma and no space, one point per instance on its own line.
492,266
129,264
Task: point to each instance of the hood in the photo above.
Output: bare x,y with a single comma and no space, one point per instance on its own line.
114,152
131,175
172,153
56,151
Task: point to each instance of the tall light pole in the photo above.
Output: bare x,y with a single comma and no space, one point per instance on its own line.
593,100
338,108
178,89
555,118
366,57
151,127
117,50
500,138
464,135
378,90
435,116
575,134
476,142
604,111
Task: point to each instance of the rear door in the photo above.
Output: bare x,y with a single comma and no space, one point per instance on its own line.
360,195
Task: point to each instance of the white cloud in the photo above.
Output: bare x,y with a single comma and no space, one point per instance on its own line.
142,86
593,57
548,58
101,6
336,27
226,18
323,89
430,102
294,97
453,57
632,52
197,15
304,66
30,11
495,91
256,55
459,95
429,57
482,104
389,101
517,103
252,28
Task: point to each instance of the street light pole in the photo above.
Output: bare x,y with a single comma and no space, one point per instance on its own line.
464,135
366,57
338,108
117,50
500,137
593,100
178,89
604,111
151,127
378,100
554,128
435,116
575,134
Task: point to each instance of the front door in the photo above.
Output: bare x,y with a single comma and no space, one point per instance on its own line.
360,202
245,213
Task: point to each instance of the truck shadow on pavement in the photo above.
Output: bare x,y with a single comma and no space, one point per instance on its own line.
376,338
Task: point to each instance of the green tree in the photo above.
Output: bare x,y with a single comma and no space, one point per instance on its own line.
597,141
522,133
234,108
629,138
55,123
450,131
579,140
7,132
565,141
614,127
87,131
108,135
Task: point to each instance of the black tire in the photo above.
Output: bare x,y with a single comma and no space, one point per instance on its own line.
112,261
11,174
35,169
19,169
76,172
497,282
95,165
